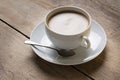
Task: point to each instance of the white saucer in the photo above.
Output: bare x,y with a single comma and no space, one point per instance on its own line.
97,38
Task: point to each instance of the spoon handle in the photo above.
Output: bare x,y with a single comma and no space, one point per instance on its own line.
29,42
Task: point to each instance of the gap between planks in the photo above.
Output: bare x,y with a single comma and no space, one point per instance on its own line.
20,32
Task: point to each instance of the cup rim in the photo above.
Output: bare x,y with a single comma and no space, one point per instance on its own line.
89,17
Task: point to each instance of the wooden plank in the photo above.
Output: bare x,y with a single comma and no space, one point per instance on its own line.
106,66
25,15
19,62
106,12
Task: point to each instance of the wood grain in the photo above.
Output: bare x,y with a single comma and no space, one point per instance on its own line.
19,62
25,15
106,66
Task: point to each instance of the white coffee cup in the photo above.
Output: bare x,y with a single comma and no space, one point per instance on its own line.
68,41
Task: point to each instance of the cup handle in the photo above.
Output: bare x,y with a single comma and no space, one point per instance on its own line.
85,42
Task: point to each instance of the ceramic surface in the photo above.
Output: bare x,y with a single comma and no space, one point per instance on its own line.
97,38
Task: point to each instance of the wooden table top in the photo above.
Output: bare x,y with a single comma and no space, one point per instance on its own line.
19,62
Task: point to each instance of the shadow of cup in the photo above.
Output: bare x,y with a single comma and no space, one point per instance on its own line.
94,64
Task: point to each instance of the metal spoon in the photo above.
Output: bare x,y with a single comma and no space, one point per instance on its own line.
61,52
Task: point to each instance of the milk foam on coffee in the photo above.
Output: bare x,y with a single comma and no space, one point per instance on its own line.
68,23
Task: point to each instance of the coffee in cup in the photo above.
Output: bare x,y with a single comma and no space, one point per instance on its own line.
68,27
68,23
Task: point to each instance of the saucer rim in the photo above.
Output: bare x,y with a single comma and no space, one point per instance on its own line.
94,56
